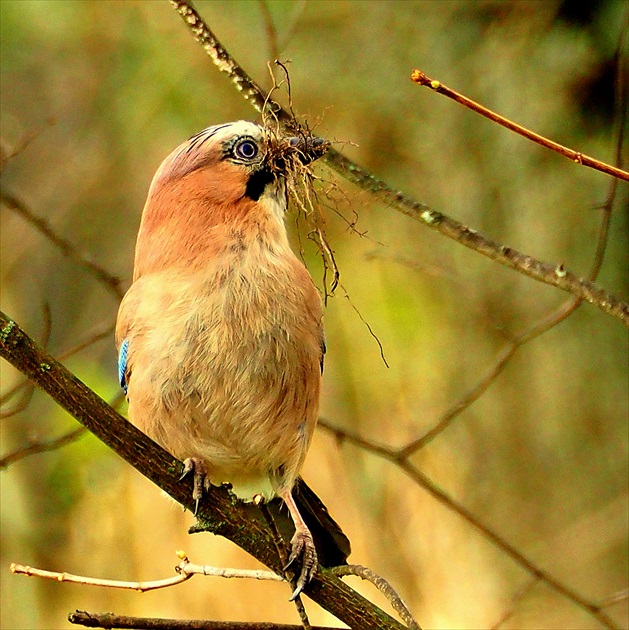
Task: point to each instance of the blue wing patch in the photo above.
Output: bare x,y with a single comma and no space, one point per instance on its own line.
122,364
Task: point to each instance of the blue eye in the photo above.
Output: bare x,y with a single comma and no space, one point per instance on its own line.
246,150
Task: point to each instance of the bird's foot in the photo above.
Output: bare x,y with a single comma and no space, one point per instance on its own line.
303,547
201,481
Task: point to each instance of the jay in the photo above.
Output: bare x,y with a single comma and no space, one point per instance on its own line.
220,337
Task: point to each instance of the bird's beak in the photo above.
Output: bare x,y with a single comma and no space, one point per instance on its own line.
308,149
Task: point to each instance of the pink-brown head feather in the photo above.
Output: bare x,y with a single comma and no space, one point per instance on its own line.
201,196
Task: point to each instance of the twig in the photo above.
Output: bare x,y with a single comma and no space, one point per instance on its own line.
41,447
397,603
251,92
90,581
113,283
27,389
109,620
24,143
504,356
464,290
185,570
369,328
520,594
271,31
88,341
283,556
417,76
401,456
554,274
616,598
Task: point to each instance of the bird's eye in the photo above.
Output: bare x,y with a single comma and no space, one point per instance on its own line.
246,150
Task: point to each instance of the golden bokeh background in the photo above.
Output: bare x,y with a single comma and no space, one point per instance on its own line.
94,94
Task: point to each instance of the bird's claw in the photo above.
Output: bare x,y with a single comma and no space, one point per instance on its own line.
200,479
303,547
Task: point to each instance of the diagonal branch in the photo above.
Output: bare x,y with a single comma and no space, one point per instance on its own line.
554,274
399,459
420,78
218,512
112,282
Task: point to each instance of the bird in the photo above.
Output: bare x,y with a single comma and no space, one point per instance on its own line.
220,336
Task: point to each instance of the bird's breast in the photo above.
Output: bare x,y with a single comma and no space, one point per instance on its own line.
230,362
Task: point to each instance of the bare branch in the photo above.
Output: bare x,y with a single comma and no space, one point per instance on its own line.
271,31
543,325
554,274
41,446
445,499
7,156
113,283
250,90
26,386
217,511
520,594
92,338
185,570
364,573
420,78
616,598
142,587
109,620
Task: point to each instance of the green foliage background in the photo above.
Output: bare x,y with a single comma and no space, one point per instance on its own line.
100,92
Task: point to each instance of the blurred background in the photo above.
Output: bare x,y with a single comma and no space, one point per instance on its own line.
95,94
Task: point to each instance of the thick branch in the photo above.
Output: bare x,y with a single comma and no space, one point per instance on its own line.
218,512
556,275
548,273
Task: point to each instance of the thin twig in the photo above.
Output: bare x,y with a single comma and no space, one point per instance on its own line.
397,603
271,31
27,389
24,143
417,76
42,446
616,598
251,92
113,283
90,339
90,581
185,570
109,620
520,594
553,274
464,289
369,328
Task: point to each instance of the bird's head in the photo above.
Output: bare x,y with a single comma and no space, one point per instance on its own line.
227,182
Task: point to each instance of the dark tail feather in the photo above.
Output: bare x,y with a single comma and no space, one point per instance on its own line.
332,544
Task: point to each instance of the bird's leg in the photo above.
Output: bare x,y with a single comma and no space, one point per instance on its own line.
201,481
302,545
